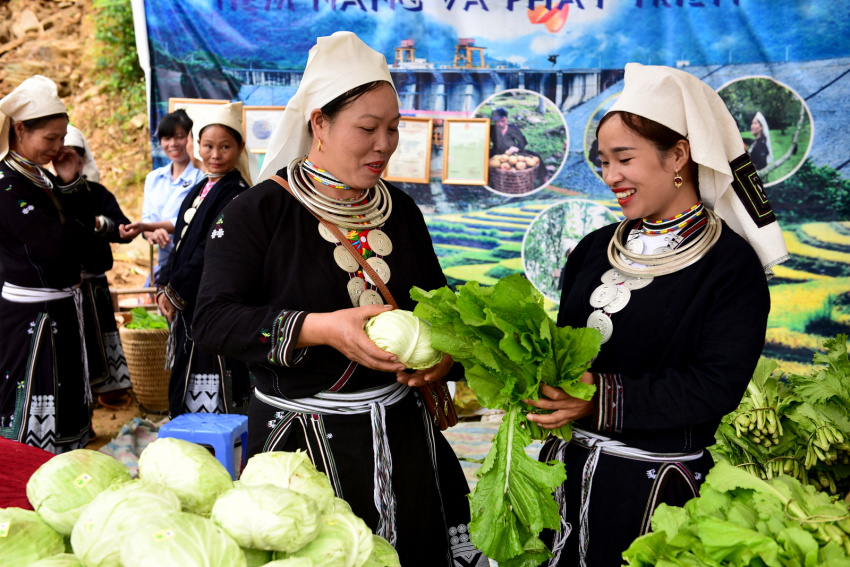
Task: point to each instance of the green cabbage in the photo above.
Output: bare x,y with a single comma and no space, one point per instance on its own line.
340,505
344,540
25,538
180,539
406,336
114,514
64,485
383,555
291,562
191,471
264,516
61,560
294,471
256,557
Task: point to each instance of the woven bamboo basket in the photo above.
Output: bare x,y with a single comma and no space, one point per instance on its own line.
145,353
513,181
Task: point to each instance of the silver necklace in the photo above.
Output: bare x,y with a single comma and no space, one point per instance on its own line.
24,166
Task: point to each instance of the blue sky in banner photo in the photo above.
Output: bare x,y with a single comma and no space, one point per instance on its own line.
618,32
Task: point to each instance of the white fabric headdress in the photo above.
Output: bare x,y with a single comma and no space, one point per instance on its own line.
728,182
75,138
765,132
228,115
34,98
335,65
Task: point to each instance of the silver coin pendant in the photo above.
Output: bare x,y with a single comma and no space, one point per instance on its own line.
379,242
638,282
620,300
613,277
356,286
603,295
370,297
380,267
345,260
601,322
326,233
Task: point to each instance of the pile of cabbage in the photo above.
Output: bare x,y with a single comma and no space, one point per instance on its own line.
184,510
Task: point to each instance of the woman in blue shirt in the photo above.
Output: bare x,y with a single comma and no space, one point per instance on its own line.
167,186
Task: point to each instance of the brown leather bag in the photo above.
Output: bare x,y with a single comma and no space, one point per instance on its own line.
435,395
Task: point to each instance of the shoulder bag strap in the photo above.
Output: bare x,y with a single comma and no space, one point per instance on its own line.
385,292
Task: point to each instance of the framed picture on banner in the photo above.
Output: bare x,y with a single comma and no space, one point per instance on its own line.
258,123
192,105
411,162
466,151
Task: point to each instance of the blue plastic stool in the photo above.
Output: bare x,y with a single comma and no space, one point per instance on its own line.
219,431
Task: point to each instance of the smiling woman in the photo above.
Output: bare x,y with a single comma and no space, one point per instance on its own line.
281,292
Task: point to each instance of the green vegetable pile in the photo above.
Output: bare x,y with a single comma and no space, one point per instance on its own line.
185,511
144,319
509,346
741,520
794,425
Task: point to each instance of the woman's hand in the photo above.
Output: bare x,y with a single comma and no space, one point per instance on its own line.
511,150
167,308
420,377
565,407
131,230
159,236
343,330
65,165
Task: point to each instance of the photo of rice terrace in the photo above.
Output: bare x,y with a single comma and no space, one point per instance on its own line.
810,294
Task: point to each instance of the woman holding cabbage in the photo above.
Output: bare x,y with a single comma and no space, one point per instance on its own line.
280,292
678,291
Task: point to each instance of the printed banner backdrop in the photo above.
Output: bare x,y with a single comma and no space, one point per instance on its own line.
783,69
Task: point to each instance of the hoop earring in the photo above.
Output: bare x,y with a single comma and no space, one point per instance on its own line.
320,146
677,180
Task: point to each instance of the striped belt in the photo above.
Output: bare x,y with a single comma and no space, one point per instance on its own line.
373,401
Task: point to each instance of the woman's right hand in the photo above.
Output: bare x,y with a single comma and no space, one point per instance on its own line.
131,230
159,236
343,330
166,307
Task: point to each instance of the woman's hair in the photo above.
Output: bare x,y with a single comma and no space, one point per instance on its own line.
662,137
499,113
171,122
80,151
36,123
236,135
334,107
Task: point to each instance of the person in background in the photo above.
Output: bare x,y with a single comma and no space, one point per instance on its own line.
282,293
678,291
47,236
508,139
202,382
759,146
109,376
166,187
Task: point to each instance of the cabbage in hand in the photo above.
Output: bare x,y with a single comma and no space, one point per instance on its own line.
406,336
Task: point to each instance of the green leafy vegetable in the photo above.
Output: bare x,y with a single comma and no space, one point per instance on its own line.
61,560
509,346
64,485
344,540
294,471
25,538
383,554
406,336
144,319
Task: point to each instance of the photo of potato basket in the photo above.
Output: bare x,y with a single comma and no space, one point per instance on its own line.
513,174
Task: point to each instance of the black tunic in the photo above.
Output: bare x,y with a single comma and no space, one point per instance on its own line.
107,364
43,386
681,355
181,276
261,279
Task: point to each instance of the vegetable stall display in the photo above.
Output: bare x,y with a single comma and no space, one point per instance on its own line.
509,346
185,511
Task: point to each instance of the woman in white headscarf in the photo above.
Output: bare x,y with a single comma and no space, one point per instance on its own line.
760,148
201,382
108,371
281,292
47,235
679,292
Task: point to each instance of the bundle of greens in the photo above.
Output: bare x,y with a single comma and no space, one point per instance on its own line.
740,520
144,319
794,425
509,346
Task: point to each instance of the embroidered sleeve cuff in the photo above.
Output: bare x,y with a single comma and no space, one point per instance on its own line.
175,299
609,391
287,327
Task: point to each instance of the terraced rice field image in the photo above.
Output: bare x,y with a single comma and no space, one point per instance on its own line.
810,293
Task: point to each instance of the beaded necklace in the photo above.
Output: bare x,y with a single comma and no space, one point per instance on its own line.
322,176
669,225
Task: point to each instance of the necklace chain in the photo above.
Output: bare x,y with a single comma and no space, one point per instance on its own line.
28,169
362,216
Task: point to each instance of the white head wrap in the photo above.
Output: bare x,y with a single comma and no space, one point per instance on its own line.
75,138
335,65
728,182
765,132
229,115
34,98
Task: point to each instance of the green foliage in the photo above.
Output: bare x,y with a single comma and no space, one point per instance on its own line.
117,59
779,105
500,272
813,193
144,319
